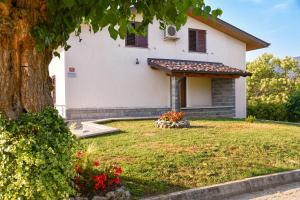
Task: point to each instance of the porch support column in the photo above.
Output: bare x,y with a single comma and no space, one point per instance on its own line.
175,98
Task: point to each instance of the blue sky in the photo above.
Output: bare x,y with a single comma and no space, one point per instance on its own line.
275,21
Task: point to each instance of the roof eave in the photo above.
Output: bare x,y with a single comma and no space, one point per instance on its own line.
252,42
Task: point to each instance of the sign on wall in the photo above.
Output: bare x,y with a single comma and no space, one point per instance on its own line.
71,72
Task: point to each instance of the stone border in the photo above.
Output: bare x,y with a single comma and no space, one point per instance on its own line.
229,189
122,119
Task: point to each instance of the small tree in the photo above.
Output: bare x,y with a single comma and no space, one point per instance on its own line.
273,80
31,31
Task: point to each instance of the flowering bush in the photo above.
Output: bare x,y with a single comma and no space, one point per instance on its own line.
37,157
172,116
95,178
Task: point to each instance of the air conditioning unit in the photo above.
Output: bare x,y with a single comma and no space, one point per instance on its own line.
171,33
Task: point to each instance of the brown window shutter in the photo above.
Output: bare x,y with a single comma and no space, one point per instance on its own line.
141,41
192,40
136,40
130,39
201,41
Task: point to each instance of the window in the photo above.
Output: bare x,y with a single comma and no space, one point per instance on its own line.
197,40
136,40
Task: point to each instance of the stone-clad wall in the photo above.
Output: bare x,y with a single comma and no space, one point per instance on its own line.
175,95
209,112
223,92
99,113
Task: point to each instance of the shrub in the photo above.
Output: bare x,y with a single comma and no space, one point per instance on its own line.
250,119
95,178
293,107
37,157
268,111
172,116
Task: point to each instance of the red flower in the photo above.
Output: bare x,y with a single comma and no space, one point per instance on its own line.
81,186
117,181
100,181
96,163
118,171
79,154
77,179
111,182
78,169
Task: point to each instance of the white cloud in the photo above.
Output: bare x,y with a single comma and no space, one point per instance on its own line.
283,5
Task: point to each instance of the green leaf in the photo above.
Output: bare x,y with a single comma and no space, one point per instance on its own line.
69,3
113,32
55,53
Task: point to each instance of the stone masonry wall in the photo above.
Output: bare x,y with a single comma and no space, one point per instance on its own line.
223,92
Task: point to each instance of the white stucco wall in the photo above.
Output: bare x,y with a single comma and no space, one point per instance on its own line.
198,92
57,68
107,76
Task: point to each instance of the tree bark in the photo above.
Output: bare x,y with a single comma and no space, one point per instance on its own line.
25,85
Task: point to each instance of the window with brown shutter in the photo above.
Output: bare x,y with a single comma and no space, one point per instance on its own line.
136,40
197,40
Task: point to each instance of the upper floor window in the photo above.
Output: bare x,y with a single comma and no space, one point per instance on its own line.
197,40
136,40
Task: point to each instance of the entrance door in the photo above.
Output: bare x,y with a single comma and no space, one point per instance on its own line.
183,92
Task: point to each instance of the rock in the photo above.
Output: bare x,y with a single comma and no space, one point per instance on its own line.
119,194
81,198
166,124
110,195
99,198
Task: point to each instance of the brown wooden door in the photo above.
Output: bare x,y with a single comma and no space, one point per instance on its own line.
183,92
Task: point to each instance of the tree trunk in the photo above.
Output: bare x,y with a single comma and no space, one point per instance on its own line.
25,85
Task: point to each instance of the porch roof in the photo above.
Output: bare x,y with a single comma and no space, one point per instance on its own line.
196,68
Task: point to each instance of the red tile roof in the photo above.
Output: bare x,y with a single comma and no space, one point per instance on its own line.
194,67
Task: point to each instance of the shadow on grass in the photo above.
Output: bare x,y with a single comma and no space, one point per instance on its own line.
146,188
278,122
216,119
199,126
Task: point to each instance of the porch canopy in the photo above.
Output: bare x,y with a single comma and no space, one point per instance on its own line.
223,84
179,68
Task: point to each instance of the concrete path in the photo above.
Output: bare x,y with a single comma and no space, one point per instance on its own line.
284,192
92,129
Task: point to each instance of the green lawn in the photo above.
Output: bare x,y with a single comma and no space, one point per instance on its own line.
212,151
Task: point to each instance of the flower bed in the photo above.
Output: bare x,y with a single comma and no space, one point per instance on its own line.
95,180
172,119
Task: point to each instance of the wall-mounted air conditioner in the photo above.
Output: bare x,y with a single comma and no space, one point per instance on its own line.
171,33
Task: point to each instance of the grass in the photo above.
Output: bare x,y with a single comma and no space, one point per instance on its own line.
158,161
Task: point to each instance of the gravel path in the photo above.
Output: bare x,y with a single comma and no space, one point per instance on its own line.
285,192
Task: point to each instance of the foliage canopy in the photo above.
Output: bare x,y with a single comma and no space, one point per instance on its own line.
66,16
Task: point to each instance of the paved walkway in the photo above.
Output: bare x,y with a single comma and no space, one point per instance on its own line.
92,129
285,192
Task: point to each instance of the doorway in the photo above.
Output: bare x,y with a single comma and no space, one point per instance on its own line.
182,87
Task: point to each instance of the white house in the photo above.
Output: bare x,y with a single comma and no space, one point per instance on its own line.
199,70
